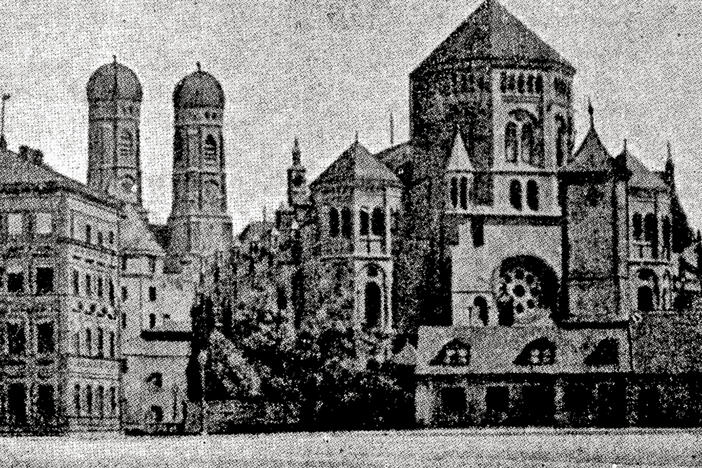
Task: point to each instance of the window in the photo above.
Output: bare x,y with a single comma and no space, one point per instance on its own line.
378,222
346,223
89,399
124,320
281,298
88,342
88,285
111,292
651,233
111,237
532,195
17,403
511,142
76,343
481,307
454,192
515,194
15,282
637,226
124,293
45,338
124,263
152,293
156,413
112,344
477,225
152,320
100,343
454,405
210,149
113,400
16,339
454,353
101,400
14,224
373,305
464,193
46,406
88,233
667,238
45,280
527,143
333,222
178,147
155,379
76,283
99,287
100,239
152,265
124,145
76,399
43,223
560,140
365,222
540,352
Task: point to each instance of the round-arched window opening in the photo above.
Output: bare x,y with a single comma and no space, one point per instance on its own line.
373,305
526,291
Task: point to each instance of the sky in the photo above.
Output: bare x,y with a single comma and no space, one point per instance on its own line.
323,70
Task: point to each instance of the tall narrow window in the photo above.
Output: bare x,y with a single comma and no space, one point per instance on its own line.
113,400
16,339
152,320
515,194
178,147
378,221
152,293
43,223
112,344
373,305
210,149
14,224
478,231
99,287
101,400
365,222
560,140
481,307
76,283
651,233
511,142
88,233
89,399
637,226
333,222
88,342
532,195
100,343
346,222
454,192
527,143
76,399
45,338
464,193
88,285
125,145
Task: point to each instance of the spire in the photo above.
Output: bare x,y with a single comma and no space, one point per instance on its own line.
392,130
199,66
296,153
114,59
591,111
669,171
356,137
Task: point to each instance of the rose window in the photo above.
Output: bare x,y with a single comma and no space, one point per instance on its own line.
522,288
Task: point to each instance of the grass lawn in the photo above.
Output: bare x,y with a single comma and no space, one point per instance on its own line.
441,448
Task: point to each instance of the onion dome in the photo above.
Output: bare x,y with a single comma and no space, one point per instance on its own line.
198,89
114,81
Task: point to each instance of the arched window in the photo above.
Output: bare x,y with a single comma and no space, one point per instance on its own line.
346,222
561,131
511,142
515,194
125,145
464,193
210,149
647,293
76,399
101,400
527,143
378,221
453,353
520,83
89,399
88,342
333,222
645,298
365,222
454,192
100,343
540,352
112,344
525,291
481,307
651,233
532,195
373,304
637,226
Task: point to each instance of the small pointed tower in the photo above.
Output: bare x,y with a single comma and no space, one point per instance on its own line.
297,179
114,106
199,224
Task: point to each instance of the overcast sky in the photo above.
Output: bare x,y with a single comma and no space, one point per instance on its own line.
324,69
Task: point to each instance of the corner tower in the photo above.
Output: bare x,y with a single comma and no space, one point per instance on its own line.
114,105
199,223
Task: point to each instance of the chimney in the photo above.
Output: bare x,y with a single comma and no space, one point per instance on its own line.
23,151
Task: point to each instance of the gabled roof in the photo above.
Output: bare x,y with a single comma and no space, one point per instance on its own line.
459,159
355,165
28,170
592,156
135,235
396,156
641,176
493,33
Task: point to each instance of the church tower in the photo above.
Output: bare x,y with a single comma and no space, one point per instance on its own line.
114,100
199,223
297,179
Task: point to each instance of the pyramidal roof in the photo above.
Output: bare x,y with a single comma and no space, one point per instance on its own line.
357,164
592,156
641,176
493,33
135,235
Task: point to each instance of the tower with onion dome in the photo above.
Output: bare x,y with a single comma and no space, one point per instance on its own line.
114,99
199,223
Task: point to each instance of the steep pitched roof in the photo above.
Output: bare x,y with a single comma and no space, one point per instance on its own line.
29,170
135,235
641,176
395,156
357,164
459,159
493,33
592,156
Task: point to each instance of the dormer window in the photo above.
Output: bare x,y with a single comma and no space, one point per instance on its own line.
454,353
540,352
